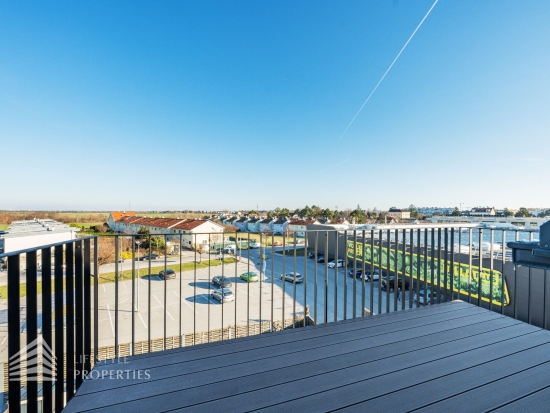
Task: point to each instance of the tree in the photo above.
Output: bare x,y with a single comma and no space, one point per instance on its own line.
413,210
523,212
508,213
253,212
316,212
456,212
199,249
105,251
358,215
327,213
283,213
307,212
271,215
143,231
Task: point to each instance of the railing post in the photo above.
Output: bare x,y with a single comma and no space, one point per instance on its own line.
14,337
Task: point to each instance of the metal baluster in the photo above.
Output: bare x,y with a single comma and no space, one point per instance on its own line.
46,322
247,287
480,274
336,277
209,294
262,260
149,300
396,269
69,323
59,330
116,297
294,285
32,327
529,312
87,278
325,284
272,275
346,277
411,267
283,279
388,270
470,252
371,278
438,264
502,297
315,277
133,295
453,265
96,302
363,275
491,272
404,269
516,283
165,286
445,264
304,283
78,290
425,264
14,335
381,272
354,273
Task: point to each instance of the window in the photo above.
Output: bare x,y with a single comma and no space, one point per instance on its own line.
534,224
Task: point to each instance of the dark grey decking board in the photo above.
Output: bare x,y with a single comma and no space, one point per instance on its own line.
440,354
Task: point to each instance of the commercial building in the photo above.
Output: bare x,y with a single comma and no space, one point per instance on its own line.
22,235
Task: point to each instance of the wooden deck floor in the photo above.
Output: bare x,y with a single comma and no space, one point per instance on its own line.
448,357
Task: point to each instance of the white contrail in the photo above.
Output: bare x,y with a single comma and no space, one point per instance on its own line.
389,68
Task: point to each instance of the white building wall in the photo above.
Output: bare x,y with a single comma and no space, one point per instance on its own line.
12,244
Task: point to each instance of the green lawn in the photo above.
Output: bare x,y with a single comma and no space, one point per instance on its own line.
110,277
4,227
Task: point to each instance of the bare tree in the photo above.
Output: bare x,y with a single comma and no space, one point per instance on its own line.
106,250
200,249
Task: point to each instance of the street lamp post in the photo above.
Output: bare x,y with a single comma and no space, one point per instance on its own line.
137,304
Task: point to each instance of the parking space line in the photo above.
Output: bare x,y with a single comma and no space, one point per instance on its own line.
185,302
145,325
163,307
246,292
110,319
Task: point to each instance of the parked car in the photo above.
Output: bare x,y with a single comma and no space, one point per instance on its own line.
424,297
254,245
120,259
221,281
292,277
277,244
250,277
336,263
312,254
359,274
223,295
321,258
167,275
149,257
392,285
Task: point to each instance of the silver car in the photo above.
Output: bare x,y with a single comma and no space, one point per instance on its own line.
292,277
223,295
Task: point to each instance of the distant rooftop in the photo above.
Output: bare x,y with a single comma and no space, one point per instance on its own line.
36,227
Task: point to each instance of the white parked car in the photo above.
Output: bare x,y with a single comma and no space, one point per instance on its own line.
254,245
337,263
223,295
424,297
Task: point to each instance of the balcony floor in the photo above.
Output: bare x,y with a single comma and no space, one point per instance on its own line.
448,357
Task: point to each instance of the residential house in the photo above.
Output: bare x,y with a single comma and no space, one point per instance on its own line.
299,226
115,216
230,220
398,213
280,225
241,224
266,225
482,212
253,225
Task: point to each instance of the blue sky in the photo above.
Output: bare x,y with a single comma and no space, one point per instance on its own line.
210,105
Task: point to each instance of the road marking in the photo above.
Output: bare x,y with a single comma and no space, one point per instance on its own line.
185,302
104,290
110,319
145,325
163,307
3,302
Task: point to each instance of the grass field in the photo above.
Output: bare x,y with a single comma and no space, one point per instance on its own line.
3,227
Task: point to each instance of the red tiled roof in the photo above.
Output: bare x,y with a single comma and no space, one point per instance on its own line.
118,214
302,221
190,224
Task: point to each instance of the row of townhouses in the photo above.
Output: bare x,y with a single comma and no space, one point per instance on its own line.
190,231
278,226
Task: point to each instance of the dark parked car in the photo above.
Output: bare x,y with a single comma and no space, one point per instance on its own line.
392,285
320,258
149,257
167,275
221,281
312,254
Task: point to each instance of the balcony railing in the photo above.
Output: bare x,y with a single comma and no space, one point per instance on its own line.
56,293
